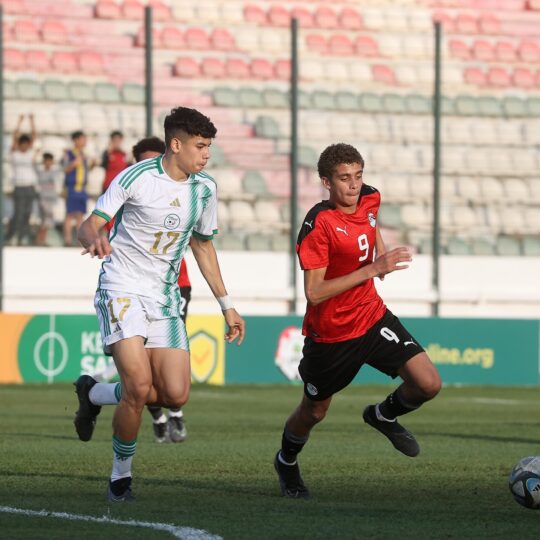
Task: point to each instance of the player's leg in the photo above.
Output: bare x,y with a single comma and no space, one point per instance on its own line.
159,423
68,229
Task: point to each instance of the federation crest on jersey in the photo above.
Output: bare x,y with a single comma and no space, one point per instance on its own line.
171,222
372,219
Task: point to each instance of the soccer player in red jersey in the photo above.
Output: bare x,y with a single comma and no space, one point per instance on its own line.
341,250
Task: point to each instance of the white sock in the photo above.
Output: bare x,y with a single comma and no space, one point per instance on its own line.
161,420
121,468
176,414
281,460
105,393
380,416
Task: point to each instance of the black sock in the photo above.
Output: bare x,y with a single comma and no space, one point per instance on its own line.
119,486
291,445
155,411
395,405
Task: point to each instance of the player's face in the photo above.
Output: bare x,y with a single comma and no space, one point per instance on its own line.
193,153
80,142
345,185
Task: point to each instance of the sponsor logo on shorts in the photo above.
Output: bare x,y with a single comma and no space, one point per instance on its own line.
311,389
171,222
372,219
409,343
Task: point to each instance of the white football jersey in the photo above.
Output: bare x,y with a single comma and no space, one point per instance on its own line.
155,218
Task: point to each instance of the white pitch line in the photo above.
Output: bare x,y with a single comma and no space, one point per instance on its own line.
184,533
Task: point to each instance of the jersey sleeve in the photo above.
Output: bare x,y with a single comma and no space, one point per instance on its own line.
313,246
112,200
206,227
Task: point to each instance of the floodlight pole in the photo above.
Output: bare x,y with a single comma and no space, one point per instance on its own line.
148,69
294,160
1,159
437,173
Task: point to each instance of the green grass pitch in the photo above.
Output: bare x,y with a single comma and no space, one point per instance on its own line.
222,479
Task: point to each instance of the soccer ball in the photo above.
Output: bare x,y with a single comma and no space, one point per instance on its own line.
524,482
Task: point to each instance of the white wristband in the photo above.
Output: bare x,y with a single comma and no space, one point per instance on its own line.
225,302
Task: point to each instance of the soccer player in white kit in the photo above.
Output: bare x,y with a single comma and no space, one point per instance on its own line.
161,205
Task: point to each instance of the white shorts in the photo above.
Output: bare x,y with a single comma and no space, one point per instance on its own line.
123,315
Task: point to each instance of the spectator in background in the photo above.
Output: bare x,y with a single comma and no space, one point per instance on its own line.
114,159
76,166
48,174
24,182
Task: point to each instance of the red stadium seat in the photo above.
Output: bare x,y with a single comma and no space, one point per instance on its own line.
262,69
350,19
54,32
38,60
366,46
237,68
529,51
133,9
317,43
304,16
383,74
279,16
108,9
499,77
483,50
91,63
140,40
197,38
15,7
160,10
505,51
340,45
65,62
326,18
213,68
187,67
474,75
255,14
26,31
534,5
282,69
222,40
466,24
14,59
523,78
172,38
459,49
446,20
6,29
489,24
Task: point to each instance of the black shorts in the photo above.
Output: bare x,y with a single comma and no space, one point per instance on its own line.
327,368
185,296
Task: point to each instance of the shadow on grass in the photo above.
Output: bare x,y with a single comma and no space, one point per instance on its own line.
479,437
40,436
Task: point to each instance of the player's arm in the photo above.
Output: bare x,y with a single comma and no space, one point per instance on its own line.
318,289
380,248
90,238
206,257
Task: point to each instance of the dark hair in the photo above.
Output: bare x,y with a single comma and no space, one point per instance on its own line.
189,121
150,144
77,135
116,133
335,155
47,155
24,138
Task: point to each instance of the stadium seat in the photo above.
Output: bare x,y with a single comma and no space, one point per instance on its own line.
446,20
258,242
255,14
483,50
466,106
523,78
480,246
107,93
370,103
160,10
366,46
514,106
417,104
466,24
268,213
37,60
231,242
253,183
65,62
340,45
393,103
317,43
14,60
108,9
262,69
529,51
533,107
280,242
10,90
140,39
304,16
134,94
531,246
508,246
458,246
350,19
516,190
237,68
275,99
475,76
326,17
222,40
81,91
489,106
323,100
133,9
346,101
498,77
26,31
54,31
213,68
55,90
505,51
241,214
282,69
91,63
459,49
383,74
307,157
226,97
197,38
489,23
267,127
251,98
279,16
187,67
390,216
29,89
172,37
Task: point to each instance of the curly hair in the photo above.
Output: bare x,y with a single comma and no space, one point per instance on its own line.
189,121
335,155
150,144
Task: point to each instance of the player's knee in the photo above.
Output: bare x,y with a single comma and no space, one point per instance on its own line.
430,386
175,398
316,413
138,393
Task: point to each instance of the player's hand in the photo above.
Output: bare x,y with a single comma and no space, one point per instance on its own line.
99,248
392,261
237,326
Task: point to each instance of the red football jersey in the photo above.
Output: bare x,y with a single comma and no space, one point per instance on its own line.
183,278
341,243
